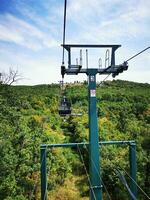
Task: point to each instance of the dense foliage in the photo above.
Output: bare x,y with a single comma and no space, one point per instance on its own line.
29,117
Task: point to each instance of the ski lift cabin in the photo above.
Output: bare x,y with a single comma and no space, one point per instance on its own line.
65,106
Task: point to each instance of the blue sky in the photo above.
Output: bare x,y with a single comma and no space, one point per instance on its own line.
31,34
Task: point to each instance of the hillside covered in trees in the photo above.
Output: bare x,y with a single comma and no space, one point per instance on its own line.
29,117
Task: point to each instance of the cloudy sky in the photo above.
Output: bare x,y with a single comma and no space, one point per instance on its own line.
31,34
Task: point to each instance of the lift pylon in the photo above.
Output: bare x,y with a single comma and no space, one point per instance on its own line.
94,153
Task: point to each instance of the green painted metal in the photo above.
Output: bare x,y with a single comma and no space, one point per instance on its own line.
86,143
94,144
125,142
133,168
94,153
132,159
76,69
43,174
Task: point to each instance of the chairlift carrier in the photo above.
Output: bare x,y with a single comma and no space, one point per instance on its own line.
65,106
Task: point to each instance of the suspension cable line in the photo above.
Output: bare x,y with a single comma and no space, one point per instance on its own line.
104,79
131,177
32,193
123,180
64,31
125,62
82,159
109,197
135,182
137,54
64,37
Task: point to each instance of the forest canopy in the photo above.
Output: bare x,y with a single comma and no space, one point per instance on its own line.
29,117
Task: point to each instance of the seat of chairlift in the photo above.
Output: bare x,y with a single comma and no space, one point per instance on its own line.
65,107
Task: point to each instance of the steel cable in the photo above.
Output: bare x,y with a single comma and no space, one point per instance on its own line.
82,159
133,179
64,31
104,79
121,177
99,175
123,180
135,182
137,54
125,62
32,193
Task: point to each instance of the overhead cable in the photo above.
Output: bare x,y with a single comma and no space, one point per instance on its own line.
125,62
108,195
137,54
82,159
135,183
104,79
64,31
123,180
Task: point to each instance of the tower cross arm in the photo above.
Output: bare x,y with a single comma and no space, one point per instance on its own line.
68,46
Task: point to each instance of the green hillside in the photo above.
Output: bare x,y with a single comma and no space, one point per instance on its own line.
29,117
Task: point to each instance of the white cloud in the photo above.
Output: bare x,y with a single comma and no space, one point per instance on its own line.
97,21
13,29
107,21
7,35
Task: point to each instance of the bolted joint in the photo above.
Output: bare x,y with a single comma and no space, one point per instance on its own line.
132,144
125,66
120,69
97,187
63,71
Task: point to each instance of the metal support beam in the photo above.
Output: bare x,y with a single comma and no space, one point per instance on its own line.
132,157
94,154
74,145
68,46
69,57
133,168
43,173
